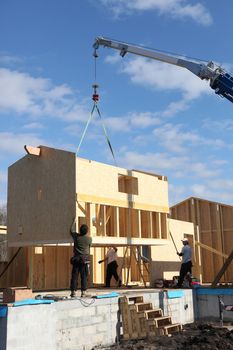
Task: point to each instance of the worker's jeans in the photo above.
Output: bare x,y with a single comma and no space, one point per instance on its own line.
79,268
184,269
111,271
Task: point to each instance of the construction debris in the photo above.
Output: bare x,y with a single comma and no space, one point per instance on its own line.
193,337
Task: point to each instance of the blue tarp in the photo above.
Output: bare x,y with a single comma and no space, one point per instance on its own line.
175,294
109,295
3,311
214,291
32,302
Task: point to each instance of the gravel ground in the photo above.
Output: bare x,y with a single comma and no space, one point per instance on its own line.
193,337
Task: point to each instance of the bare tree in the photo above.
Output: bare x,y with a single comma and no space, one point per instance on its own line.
3,214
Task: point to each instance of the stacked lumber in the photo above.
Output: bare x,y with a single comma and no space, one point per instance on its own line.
140,320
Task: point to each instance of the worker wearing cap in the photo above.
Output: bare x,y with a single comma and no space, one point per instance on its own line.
186,266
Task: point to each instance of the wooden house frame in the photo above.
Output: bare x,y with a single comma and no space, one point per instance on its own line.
48,187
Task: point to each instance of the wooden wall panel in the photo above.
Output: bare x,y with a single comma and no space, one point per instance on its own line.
41,198
16,275
110,185
146,224
134,219
215,222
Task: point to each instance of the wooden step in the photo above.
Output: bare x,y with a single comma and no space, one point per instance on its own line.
153,313
143,306
136,300
160,321
171,328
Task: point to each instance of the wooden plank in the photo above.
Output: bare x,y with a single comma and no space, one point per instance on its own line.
126,318
202,245
223,269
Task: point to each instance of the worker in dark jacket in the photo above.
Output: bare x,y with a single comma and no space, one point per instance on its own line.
80,259
186,266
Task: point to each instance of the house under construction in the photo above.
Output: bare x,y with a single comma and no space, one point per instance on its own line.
48,187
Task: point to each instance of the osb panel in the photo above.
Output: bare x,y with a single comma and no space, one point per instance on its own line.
41,198
104,189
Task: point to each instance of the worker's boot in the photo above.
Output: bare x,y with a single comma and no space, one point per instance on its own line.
83,293
73,294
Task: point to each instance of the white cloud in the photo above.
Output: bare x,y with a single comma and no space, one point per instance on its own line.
223,125
33,125
117,124
131,121
163,162
173,138
22,93
144,119
207,191
180,9
3,176
6,59
165,77
176,193
221,184
11,143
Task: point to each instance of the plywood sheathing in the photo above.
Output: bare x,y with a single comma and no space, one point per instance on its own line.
119,205
101,183
215,223
41,198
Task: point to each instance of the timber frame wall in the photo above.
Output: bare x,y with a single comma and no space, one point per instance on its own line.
215,223
122,207
125,208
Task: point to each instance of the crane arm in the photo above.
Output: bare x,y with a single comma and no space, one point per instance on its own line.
220,80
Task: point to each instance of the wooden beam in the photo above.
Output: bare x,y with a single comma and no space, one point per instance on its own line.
222,270
32,150
202,245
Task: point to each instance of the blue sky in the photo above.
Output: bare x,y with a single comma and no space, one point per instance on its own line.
159,118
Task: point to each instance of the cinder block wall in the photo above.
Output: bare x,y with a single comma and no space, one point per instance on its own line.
207,305
79,324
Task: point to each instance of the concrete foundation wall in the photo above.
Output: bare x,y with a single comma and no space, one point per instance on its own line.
207,306
80,324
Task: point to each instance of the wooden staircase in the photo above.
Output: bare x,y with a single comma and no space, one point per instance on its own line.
140,320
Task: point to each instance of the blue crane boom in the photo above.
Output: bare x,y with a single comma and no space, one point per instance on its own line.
220,80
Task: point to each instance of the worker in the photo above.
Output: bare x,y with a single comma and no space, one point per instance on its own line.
111,258
186,266
80,259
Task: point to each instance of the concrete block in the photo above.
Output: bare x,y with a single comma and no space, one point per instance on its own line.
86,311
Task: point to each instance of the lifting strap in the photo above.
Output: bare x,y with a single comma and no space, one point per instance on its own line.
104,128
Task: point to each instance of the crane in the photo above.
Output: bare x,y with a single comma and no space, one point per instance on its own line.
220,80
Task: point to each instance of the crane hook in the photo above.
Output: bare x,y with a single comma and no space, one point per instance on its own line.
95,96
